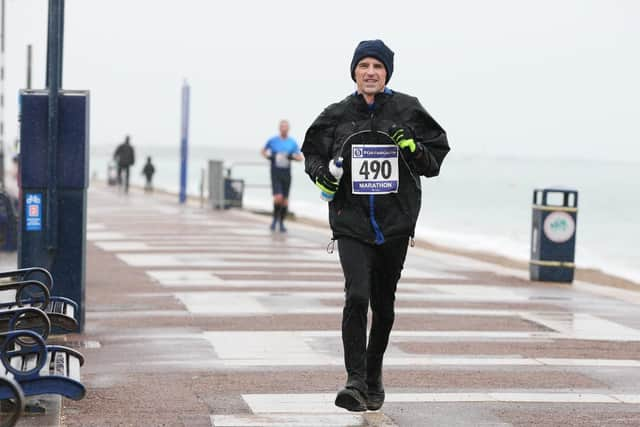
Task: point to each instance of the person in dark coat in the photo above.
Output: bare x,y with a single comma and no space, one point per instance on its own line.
124,157
148,170
367,154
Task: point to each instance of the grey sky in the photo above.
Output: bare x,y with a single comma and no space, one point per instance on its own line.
504,77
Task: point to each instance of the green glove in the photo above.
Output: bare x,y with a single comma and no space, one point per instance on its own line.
326,182
405,141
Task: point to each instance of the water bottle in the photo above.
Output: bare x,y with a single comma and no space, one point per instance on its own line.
335,168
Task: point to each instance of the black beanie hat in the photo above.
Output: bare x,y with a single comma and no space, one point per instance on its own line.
374,49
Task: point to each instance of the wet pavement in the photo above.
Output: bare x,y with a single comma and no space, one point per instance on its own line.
205,318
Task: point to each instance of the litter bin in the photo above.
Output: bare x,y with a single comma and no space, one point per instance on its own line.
233,192
112,173
553,235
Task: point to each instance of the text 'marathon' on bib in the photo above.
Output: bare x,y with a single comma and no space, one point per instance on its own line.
374,169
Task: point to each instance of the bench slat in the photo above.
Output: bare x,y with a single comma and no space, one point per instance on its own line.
73,366
59,364
29,361
8,295
16,363
70,311
47,366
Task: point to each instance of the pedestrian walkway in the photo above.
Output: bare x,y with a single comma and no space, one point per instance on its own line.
205,318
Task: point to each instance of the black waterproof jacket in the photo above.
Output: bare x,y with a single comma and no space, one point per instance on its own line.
374,218
124,155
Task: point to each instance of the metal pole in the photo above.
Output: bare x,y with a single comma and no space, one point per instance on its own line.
54,83
184,141
2,74
29,64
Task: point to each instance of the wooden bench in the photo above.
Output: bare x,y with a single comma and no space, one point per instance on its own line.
30,318
28,286
32,273
40,368
32,293
11,391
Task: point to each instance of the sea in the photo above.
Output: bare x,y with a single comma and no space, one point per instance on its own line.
479,202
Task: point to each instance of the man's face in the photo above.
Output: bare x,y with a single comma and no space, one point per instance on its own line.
370,76
284,128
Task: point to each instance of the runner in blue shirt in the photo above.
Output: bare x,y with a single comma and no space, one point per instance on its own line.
280,150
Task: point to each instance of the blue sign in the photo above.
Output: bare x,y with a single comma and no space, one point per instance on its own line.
33,211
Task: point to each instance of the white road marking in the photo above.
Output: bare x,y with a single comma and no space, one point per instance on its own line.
460,262
564,324
319,348
96,226
433,273
630,296
419,291
289,420
584,326
322,403
197,259
181,278
173,237
105,235
279,302
485,291
211,245
627,398
267,284
135,314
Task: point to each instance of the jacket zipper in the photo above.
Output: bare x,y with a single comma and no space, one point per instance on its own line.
372,214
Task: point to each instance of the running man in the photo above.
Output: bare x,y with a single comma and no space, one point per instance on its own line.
387,141
280,150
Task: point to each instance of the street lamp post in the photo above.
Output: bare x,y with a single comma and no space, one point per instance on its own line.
184,141
2,76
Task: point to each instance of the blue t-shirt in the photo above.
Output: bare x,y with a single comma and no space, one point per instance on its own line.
281,149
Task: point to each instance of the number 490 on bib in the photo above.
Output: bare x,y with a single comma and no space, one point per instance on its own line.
374,169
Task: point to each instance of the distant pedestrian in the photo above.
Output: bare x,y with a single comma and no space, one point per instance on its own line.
125,158
384,141
280,150
148,172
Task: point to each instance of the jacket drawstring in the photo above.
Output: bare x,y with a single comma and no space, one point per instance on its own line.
331,246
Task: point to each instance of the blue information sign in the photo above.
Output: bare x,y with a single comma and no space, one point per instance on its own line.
33,211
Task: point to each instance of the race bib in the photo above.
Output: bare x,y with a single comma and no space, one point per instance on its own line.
374,169
282,160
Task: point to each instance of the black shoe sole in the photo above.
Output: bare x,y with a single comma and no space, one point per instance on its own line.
375,401
374,406
347,400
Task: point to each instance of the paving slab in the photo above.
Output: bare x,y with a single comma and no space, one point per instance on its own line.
201,317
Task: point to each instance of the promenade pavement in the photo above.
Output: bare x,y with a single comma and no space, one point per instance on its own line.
198,317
